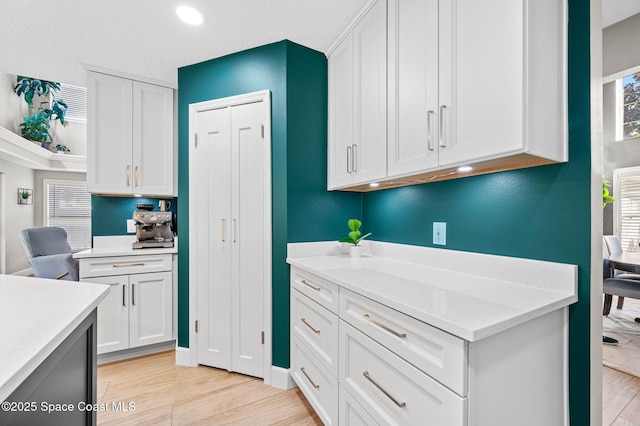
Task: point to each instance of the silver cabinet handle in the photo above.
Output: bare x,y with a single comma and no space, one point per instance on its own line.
384,327
222,221
233,230
135,177
442,142
128,174
387,394
354,158
315,330
309,285
430,114
126,265
348,159
309,378
133,295
124,291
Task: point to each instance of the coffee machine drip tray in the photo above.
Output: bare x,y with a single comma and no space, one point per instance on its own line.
153,244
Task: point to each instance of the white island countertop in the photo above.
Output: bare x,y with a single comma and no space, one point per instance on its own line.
36,315
469,295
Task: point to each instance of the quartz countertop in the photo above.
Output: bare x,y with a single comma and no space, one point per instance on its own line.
36,315
121,246
463,303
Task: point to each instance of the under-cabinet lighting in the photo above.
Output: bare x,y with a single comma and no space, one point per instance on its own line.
464,169
374,184
137,195
189,15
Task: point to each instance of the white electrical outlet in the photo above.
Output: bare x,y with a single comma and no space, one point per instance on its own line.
440,233
131,226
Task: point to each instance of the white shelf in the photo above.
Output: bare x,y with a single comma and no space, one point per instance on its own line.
18,150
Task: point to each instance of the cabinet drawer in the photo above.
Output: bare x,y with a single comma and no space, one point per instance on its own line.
437,353
391,390
316,328
317,289
318,385
350,412
124,265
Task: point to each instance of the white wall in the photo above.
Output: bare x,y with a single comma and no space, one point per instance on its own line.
621,50
17,216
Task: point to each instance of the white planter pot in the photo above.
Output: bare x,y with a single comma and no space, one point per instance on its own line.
356,251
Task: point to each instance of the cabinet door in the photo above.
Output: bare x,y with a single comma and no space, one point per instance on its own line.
153,147
370,68
113,314
151,308
109,137
413,86
341,115
481,79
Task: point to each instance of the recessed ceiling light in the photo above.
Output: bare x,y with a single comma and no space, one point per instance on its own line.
189,15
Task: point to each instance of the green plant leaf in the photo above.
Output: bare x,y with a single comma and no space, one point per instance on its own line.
345,240
354,224
354,235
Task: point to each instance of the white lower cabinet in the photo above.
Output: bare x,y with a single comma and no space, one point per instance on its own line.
361,362
138,311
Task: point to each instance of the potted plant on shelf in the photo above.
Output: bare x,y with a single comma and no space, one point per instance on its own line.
61,149
24,196
354,237
36,125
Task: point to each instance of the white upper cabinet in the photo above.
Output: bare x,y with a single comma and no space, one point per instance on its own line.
130,143
478,83
358,102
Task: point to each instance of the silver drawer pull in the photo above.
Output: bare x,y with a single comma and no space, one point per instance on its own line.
309,378
395,401
384,327
309,285
315,330
126,265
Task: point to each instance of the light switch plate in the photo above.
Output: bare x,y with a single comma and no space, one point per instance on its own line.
440,233
131,226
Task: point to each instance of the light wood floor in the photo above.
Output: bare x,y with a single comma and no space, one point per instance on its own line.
167,394
620,398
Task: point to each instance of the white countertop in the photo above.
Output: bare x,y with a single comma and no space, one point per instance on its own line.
36,315
463,303
121,245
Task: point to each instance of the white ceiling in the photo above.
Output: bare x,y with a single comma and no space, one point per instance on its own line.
51,39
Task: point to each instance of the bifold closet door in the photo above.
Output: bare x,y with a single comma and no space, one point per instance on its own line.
229,253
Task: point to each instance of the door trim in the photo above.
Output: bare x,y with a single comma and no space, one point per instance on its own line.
194,109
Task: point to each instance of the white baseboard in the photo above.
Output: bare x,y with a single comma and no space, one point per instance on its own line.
135,352
281,378
185,357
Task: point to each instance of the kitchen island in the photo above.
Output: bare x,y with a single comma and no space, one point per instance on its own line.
48,350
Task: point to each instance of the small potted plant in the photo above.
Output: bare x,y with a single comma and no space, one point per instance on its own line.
61,149
354,237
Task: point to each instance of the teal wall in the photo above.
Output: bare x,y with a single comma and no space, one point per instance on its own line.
110,214
537,213
302,210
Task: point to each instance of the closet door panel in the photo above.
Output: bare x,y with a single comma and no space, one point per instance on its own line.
248,212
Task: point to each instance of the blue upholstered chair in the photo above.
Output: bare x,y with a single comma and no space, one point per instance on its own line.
49,252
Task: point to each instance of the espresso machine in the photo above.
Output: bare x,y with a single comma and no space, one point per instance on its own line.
153,229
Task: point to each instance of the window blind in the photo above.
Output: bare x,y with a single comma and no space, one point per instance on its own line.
69,207
629,227
76,99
